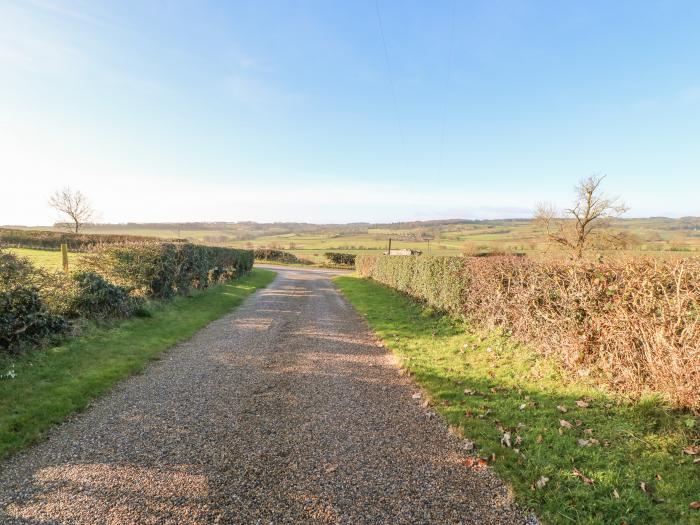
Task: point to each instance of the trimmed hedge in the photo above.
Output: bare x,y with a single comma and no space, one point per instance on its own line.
52,240
634,323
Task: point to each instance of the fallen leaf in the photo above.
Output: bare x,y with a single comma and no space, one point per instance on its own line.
468,444
523,406
562,408
588,481
540,483
539,439
579,422
505,439
469,392
616,494
417,395
588,431
518,440
643,486
494,390
582,404
658,477
696,460
583,442
330,467
564,423
692,450
475,463
695,505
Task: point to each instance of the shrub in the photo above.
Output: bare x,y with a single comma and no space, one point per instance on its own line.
24,318
97,298
268,254
634,323
341,259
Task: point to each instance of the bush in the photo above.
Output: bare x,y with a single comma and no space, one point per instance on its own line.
267,254
634,323
24,318
341,259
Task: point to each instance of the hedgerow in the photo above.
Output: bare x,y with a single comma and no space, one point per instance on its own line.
52,240
633,323
163,269
110,283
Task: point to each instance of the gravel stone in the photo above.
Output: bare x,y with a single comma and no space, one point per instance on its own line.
287,410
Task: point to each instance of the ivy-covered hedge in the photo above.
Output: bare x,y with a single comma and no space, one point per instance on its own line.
52,240
634,323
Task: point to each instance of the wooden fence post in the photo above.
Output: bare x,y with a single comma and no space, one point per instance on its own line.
64,256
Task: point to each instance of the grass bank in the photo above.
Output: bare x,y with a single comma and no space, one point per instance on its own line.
42,387
597,458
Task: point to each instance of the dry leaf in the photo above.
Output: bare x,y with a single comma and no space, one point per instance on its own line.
582,404
469,392
643,486
588,431
561,408
475,463
505,439
564,423
616,494
658,477
539,439
468,444
330,467
540,483
523,406
692,450
696,460
518,440
695,505
417,395
588,481
583,442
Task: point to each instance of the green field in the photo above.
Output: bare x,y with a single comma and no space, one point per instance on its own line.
50,260
654,236
486,386
42,387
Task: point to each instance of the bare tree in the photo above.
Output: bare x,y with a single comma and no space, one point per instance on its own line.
587,220
74,206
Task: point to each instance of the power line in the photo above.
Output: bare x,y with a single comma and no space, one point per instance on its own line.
390,75
447,91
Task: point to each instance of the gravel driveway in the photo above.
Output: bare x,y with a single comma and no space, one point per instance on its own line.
284,411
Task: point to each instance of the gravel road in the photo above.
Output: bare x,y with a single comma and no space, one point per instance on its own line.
284,411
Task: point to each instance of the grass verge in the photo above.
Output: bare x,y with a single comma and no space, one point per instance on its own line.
42,387
605,460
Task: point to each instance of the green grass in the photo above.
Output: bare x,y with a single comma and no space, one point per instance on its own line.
638,442
50,260
51,384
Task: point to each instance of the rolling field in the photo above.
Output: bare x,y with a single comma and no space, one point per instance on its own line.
50,260
651,236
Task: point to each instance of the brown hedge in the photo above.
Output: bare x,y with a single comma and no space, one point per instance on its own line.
633,323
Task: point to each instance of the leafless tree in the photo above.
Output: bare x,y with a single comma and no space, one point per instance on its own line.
74,206
587,220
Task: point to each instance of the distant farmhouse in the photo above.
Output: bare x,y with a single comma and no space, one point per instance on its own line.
403,251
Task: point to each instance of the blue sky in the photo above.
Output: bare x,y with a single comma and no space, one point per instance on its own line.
273,111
